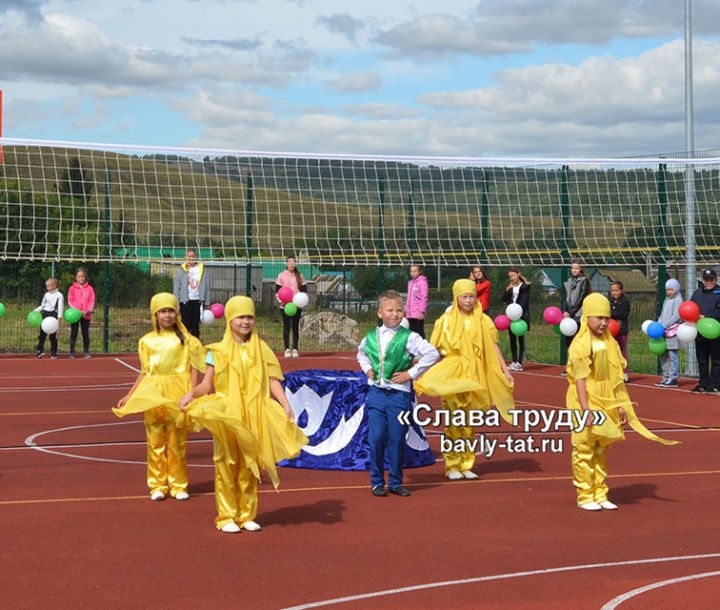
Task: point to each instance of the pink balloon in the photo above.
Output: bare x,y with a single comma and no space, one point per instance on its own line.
502,322
552,315
218,310
285,294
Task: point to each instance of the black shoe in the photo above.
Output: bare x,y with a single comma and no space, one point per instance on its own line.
71,355
40,354
563,373
400,491
379,491
54,357
698,389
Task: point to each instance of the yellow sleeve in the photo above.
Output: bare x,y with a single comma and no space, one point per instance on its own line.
489,327
198,353
579,368
271,361
144,353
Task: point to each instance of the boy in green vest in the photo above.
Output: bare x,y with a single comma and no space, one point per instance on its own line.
386,355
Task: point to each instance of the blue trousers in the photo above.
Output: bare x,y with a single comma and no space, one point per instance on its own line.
386,432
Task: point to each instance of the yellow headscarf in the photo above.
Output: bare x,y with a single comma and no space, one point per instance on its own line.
596,305
166,300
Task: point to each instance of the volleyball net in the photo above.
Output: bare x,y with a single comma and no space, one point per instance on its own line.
103,202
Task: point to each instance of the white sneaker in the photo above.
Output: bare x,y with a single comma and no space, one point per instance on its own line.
295,354
469,474
454,475
251,526
230,528
157,495
518,367
625,377
511,366
607,505
590,506
182,495
287,353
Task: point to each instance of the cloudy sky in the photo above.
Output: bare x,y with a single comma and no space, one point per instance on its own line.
576,78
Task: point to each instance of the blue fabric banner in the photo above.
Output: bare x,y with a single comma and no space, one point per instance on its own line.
330,409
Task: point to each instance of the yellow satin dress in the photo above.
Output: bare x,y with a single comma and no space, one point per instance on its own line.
166,365
469,377
250,430
602,368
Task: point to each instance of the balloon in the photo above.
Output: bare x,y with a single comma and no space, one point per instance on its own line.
655,330
405,323
614,327
502,322
513,311
208,317
657,346
552,315
301,299
218,310
72,315
556,329
645,325
285,294
291,309
34,319
518,327
689,311
568,327
2,310
687,332
49,325
709,328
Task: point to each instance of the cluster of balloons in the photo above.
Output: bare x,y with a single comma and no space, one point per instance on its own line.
692,325
511,320
49,325
563,326
292,303
215,311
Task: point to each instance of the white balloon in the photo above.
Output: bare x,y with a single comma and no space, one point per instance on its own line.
687,332
514,311
645,324
301,299
405,323
208,317
568,327
49,325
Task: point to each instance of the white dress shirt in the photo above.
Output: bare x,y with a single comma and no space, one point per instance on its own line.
417,347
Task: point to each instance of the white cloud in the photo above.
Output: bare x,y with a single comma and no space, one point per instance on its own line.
366,80
385,112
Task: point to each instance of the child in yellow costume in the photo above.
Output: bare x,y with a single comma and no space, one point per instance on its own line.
250,429
595,373
471,376
171,362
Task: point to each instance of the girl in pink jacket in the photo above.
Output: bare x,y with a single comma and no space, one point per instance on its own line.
417,300
81,296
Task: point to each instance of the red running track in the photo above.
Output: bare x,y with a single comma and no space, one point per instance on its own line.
78,527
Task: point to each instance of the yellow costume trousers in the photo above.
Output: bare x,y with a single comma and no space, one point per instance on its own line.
166,455
236,487
589,468
458,460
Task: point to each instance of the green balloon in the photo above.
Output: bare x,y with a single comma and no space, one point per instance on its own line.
290,309
2,310
518,327
657,346
72,315
708,328
34,319
556,329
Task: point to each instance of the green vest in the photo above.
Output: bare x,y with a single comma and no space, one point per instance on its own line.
396,358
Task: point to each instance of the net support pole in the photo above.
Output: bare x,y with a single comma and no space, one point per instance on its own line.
662,242
249,235
106,267
565,218
690,263
411,237
381,236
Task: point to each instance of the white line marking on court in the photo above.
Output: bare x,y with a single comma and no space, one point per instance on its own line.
467,581
132,368
30,443
614,603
